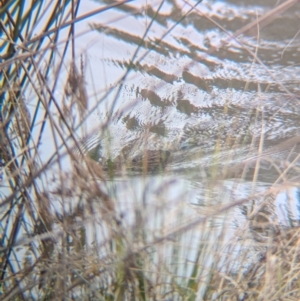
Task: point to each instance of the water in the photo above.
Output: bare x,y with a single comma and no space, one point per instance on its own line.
181,94
214,101
226,108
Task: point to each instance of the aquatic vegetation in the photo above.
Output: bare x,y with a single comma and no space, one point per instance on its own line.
152,156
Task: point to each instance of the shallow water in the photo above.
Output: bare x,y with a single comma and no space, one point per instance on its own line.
193,89
220,96
215,86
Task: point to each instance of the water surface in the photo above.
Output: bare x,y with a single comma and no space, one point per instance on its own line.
222,97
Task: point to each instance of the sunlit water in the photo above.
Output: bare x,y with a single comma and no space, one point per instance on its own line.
226,108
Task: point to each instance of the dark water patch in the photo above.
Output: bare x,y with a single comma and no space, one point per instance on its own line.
184,106
119,34
197,81
131,123
154,98
127,9
191,45
167,77
159,129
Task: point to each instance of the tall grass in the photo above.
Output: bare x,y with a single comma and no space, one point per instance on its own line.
68,233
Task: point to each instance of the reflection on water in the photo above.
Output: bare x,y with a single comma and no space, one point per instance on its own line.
188,215
225,108
183,96
189,167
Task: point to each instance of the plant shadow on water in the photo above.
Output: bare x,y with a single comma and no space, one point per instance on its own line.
160,161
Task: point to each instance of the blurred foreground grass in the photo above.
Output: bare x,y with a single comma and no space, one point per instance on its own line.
63,231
